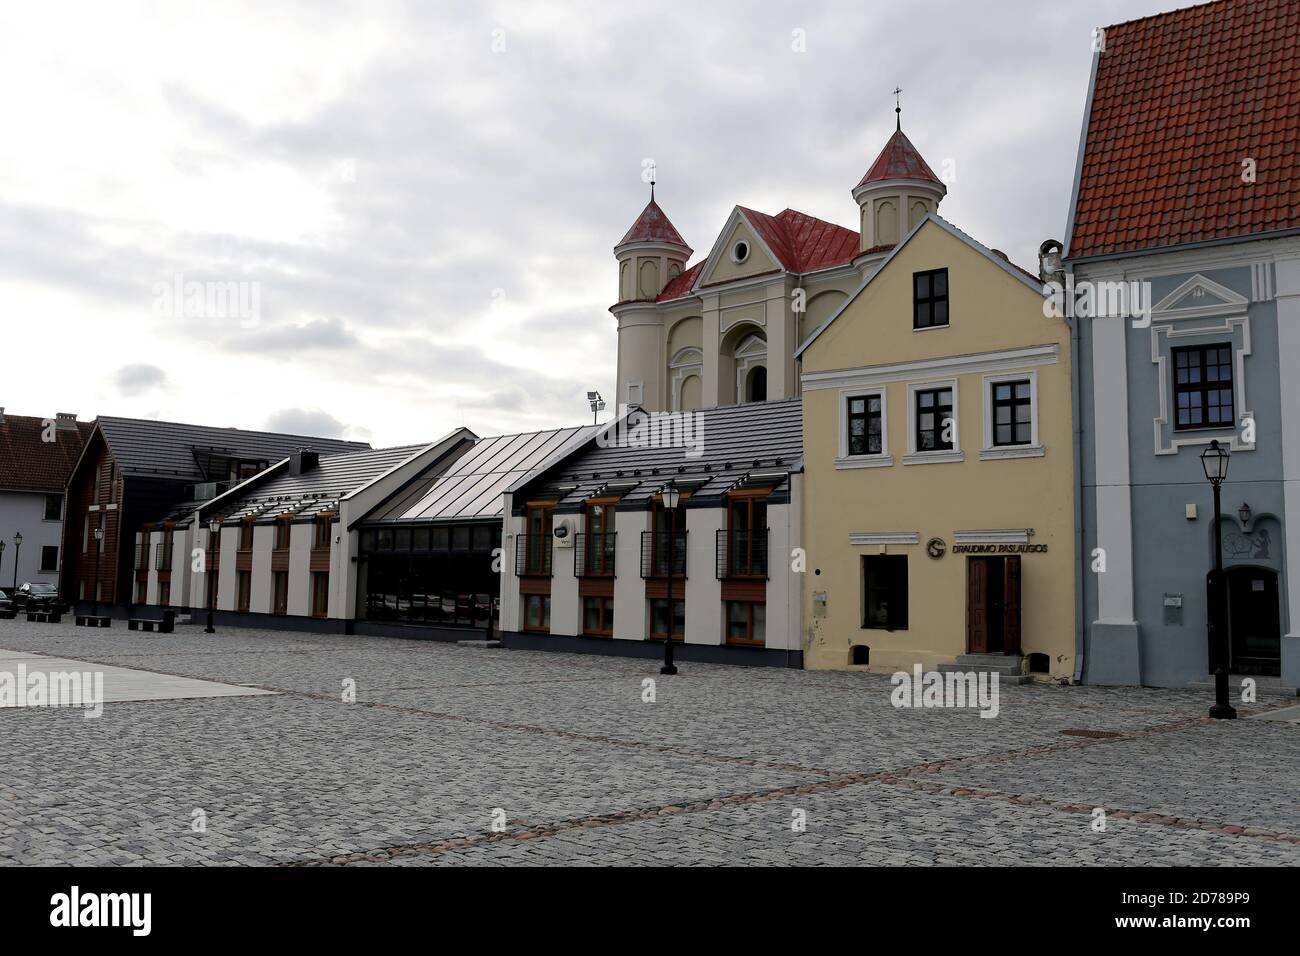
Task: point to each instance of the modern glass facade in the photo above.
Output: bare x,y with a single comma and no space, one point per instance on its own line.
445,575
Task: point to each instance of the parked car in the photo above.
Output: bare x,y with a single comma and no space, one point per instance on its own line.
37,596
6,602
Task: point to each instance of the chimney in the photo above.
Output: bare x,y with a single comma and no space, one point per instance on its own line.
303,461
65,421
1049,261
1001,255
2,414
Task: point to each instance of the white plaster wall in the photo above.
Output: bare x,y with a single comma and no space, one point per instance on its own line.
703,589
25,512
227,586
630,617
300,538
566,609
511,605
259,600
1288,348
182,561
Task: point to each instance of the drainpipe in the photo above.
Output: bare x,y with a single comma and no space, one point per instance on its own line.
1051,269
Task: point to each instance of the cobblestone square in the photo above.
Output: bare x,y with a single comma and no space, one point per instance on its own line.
457,755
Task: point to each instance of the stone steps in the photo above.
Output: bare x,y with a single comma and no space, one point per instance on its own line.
1006,666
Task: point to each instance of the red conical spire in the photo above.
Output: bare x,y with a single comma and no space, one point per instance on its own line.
899,160
653,226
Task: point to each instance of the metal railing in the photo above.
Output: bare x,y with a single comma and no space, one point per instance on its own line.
533,555
142,557
656,548
593,555
742,554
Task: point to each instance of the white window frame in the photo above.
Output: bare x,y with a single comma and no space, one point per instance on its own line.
1034,449
882,459
914,457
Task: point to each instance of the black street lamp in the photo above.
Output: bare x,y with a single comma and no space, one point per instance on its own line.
99,552
1215,462
18,546
2,553
671,496
214,529
597,405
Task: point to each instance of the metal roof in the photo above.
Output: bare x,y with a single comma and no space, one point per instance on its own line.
168,449
754,443
472,485
318,490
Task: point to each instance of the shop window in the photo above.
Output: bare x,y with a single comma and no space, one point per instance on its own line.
537,612
243,590
279,592
1203,387
320,593
141,592
930,299
746,622
598,616
659,619
884,586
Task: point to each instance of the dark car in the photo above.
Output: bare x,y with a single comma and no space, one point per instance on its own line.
37,596
6,602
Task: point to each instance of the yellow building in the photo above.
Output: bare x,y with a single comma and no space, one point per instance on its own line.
938,486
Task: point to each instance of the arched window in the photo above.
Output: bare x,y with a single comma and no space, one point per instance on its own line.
756,385
751,358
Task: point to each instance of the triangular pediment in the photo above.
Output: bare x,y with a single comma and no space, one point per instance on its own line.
721,266
1198,297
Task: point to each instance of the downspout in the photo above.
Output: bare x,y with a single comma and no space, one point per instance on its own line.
1079,540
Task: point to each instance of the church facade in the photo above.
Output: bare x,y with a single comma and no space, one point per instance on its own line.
724,330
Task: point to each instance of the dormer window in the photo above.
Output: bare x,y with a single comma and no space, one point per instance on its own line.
740,251
930,299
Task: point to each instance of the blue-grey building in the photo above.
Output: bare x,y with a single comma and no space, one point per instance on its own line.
1185,217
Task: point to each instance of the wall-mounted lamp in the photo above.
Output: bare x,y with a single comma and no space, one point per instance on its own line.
1244,513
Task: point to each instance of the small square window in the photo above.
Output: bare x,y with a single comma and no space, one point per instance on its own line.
930,299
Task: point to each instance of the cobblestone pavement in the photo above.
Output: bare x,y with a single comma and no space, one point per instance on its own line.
726,765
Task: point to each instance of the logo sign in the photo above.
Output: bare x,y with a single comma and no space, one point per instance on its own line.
936,548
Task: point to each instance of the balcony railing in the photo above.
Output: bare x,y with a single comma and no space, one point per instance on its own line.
162,557
142,557
593,555
742,554
656,547
533,555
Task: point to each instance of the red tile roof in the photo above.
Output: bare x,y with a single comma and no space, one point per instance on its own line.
653,226
29,464
899,160
681,285
804,243
1180,100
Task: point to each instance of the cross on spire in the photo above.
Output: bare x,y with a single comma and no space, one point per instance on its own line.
898,107
654,170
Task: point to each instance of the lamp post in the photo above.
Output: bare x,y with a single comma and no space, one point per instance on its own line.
2,553
671,496
18,546
214,528
99,552
597,405
1215,462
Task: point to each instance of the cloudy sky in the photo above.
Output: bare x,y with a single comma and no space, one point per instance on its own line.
412,206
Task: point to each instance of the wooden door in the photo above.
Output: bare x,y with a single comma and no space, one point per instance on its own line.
977,605
1011,604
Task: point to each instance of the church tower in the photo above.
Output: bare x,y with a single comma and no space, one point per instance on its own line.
896,193
651,255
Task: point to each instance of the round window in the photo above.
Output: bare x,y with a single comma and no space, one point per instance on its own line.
740,251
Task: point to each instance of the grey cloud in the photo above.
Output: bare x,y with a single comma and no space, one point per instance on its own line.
137,379
304,421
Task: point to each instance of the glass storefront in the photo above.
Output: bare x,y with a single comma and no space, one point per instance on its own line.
431,575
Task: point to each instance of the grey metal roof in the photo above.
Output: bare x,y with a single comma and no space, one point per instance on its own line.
167,449
758,442
306,495
472,485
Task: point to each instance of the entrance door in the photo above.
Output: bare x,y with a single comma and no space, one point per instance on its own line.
993,605
1254,621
